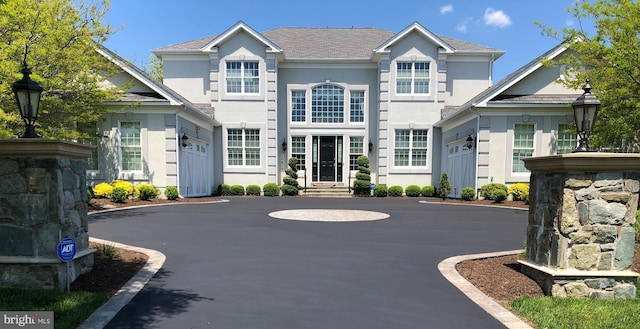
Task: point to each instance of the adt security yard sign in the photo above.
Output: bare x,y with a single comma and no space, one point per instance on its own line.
66,250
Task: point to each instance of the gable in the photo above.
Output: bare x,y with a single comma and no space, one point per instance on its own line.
243,28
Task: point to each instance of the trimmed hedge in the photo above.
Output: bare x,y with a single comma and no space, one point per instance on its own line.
146,192
171,192
486,191
224,189
380,191
237,190
118,195
428,191
362,183
395,191
290,186
412,191
468,193
271,189
253,190
499,195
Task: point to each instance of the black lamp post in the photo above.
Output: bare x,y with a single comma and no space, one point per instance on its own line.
27,94
585,110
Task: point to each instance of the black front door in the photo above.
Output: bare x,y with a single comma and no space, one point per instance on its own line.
327,158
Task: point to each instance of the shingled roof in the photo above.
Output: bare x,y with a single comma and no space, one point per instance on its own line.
328,43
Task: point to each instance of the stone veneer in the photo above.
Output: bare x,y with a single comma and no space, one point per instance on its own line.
580,235
42,198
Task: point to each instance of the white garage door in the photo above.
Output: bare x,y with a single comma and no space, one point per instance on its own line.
194,178
461,168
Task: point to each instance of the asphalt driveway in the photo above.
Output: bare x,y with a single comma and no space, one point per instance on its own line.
231,266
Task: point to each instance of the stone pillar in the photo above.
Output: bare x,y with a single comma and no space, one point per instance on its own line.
43,197
580,235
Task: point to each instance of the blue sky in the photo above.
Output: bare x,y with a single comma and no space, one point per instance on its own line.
504,24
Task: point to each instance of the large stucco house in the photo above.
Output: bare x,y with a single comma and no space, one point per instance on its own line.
235,106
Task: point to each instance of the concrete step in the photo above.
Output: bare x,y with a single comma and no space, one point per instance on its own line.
327,191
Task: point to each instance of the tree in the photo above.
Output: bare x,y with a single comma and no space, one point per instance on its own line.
362,183
58,40
154,68
609,58
444,188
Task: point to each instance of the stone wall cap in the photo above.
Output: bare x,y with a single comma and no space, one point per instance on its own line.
584,161
561,272
37,147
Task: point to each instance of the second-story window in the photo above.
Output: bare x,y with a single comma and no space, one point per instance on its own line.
243,77
412,78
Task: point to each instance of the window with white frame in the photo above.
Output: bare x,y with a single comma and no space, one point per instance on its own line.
327,104
298,150
243,147
412,78
410,148
243,77
356,106
130,146
566,140
523,134
89,130
356,149
298,106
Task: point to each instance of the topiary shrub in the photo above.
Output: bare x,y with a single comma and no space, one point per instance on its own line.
102,190
362,183
498,195
468,193
412,191
444,188
171,192
237,190
146,192
224,189
519,191
126,186
290,186
395,191
380,191
486,191
271,189
428,191
118,194
253,190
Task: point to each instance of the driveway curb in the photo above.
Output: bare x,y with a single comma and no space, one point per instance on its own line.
448,269
101,317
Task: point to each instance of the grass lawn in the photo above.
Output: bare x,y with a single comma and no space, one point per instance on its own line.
70,308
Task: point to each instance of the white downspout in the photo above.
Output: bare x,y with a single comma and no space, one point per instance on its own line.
178,156
477,162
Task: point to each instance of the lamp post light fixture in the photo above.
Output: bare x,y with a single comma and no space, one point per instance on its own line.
284,144
585,110
27,94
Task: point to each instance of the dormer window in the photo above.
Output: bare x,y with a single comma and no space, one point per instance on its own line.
243,77
412,78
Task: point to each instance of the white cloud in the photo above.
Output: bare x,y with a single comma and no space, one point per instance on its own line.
496,18
569,22
446,9
462,28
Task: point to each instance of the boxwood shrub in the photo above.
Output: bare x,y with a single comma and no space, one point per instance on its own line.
428,191
237,190
395,190
171,192
486,191
412,191
498,195
224,189
146,192
468,193
380,191
271,189
253,190
118,194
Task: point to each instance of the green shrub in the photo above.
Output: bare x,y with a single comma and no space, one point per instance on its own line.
428,191
102,190
290,186
118,194
146,192
271,189
253,190
289,190
171,192
362,183
519,191
468,193
499,195
412,191
89,193
395,190
224,189
444,188
126,186
636,226
486,191
237,190
380,191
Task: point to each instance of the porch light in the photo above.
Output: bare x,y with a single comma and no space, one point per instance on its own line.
284,144
185,140
585,110
469,143
370,146
27,93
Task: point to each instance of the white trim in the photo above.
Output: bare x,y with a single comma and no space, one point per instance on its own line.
262,128
415,27
393,169
122,171
233,30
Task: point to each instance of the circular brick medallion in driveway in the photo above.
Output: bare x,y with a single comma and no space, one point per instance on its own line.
329,215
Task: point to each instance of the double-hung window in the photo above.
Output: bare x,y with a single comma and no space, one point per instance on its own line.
412,78
243,77
356,149
523,134
130,146
298,106
356,106
566,140
410,148
243,147
298,150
